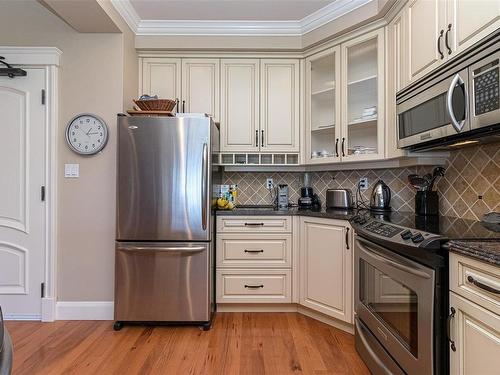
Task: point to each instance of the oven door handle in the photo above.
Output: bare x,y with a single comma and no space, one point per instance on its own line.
458,125
371,249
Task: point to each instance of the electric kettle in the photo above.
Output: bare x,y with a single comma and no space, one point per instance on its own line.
381,197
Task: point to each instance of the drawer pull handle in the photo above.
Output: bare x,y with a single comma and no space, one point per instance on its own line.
488,288
254,251
254,286
254,224
448,328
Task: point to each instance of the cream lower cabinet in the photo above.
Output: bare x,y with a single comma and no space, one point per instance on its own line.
254,259
325,267
475,317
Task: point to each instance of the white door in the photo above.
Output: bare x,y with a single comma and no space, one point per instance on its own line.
239,120
326,268
279,112
22,212
161,76
470,21
426,20
200,86
476,333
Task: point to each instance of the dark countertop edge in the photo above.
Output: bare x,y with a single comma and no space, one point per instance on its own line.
333,214
468,248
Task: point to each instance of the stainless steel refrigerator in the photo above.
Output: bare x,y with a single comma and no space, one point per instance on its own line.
164,229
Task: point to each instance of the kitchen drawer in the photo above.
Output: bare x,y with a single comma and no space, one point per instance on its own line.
253,286
254,250
254,224
471,279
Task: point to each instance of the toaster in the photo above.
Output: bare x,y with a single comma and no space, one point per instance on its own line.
339,198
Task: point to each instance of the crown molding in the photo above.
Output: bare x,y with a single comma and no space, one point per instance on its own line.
31,55
236,28
128,13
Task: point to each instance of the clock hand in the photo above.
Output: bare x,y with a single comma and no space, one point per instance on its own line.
89,131
93,133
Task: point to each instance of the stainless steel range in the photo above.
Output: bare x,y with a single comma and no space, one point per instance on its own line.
401,297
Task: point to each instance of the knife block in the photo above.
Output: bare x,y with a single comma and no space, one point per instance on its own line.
426,203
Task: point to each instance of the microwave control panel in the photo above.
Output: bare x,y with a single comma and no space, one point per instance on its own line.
486,90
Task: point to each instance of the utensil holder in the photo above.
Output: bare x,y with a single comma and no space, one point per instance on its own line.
427,203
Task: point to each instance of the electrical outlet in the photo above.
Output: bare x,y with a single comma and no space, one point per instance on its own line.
269,183
363,183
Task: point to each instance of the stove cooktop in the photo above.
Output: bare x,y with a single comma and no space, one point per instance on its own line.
412,235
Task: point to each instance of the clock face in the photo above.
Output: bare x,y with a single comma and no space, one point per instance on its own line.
87,134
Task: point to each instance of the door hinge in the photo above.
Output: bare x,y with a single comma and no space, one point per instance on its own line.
42,290
42,193
43,96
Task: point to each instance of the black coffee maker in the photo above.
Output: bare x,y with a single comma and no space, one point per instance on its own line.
308,199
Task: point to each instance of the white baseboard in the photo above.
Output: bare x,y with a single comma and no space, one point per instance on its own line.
84,310
27,317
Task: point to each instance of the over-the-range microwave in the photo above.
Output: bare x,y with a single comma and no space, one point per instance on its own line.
456,105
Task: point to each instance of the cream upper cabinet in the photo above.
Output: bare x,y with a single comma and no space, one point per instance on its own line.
325,275
426,21
240,105
363,94
395,81
440,29
476,336
279,105
322,107
161,76
200,86
469,21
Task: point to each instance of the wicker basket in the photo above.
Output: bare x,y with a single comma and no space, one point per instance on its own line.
156,104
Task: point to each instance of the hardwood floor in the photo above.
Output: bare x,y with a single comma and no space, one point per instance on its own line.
238,343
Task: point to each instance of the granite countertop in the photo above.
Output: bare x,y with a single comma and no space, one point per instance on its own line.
484,250
269,211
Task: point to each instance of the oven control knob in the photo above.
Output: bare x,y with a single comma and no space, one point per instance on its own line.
406,235
417,238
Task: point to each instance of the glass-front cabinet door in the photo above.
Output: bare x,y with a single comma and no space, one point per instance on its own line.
363,98
323,107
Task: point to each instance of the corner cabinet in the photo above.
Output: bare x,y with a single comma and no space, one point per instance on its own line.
325,274
345,94
194,83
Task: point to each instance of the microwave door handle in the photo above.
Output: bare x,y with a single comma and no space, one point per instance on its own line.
458,125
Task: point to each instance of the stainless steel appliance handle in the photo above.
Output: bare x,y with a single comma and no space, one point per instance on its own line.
483,286
204,193
449,102
369,247
192,249
448,328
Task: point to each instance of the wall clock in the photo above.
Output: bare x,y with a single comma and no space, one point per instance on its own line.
87,134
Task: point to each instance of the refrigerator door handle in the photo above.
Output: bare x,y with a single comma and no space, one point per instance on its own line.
204,194
184,249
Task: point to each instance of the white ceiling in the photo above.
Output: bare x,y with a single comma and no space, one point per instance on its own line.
228,10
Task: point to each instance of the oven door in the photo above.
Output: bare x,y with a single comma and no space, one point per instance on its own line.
439,111
394,298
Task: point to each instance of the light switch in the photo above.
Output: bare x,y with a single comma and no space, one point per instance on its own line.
71,170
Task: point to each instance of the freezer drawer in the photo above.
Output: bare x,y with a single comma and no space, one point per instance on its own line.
164,282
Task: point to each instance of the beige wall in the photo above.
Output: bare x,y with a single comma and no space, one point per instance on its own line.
91,80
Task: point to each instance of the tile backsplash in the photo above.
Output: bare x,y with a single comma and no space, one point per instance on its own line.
469,189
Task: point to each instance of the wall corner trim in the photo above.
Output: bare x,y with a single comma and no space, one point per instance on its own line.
85,310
